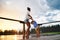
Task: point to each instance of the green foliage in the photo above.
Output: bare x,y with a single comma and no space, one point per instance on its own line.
45,29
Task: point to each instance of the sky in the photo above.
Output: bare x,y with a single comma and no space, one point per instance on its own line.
42,11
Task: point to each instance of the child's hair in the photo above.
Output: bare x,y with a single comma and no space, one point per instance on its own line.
28,9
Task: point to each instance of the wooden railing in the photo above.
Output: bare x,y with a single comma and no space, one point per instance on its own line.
17,21
24,24
49,22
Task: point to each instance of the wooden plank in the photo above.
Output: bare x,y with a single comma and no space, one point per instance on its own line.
12,19
23,31
17,21
49,22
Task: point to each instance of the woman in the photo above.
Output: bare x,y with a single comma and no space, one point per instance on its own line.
28,16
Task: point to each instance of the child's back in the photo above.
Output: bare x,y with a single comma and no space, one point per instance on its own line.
34,24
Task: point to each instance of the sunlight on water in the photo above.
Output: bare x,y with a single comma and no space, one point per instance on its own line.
19,37
2,36
10,37
15,37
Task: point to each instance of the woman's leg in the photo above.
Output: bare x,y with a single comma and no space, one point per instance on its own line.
28,30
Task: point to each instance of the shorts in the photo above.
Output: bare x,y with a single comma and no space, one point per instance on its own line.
26,20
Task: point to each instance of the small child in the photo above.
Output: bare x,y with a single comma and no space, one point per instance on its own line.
36,28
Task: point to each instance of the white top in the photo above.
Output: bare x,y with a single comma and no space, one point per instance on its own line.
27,17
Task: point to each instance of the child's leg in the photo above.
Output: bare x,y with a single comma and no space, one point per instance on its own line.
37,32
28,30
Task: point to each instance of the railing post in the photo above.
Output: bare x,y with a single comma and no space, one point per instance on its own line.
23,31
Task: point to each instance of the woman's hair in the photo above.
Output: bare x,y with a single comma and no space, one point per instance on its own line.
28,9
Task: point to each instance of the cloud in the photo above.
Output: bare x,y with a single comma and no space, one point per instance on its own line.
50,24
57,17
41,19
38,6
54,4
54,15
42,10
50,14
13,8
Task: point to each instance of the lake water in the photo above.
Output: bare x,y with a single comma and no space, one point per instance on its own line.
19,37
11,37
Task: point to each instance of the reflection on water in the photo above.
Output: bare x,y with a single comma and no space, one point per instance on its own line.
19,37
10,37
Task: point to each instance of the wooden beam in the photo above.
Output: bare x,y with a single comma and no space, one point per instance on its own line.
17,21
11,19
49,22
23,31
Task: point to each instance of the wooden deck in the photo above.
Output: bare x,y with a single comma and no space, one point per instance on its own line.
53,37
